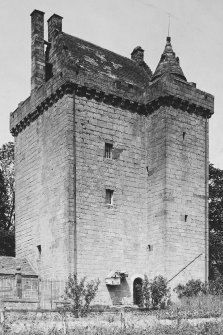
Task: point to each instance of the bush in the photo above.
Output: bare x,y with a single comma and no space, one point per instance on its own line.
155,293
191,289
216,286
146,292
79,295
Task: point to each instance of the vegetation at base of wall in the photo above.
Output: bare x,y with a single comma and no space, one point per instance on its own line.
155,293
205,329
141,323
79,293
191,289
201,306
195,287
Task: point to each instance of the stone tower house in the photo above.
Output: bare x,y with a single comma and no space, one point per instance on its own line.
111,165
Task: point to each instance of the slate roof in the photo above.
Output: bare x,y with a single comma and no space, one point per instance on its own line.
9,264
96,59
168,63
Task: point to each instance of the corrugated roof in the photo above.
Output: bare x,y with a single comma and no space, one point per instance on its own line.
9,264
96,59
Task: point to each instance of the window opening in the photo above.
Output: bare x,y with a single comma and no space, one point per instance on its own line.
184,133
185,218
150,247
39,250
108,150
109,196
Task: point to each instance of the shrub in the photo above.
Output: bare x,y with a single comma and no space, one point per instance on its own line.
79,295
191,289
146,292
155,292
216,286
160,293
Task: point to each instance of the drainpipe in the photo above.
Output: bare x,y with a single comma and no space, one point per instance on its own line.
206,204
75,186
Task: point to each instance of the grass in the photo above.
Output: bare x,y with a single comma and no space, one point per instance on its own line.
175,320
204,306
183,329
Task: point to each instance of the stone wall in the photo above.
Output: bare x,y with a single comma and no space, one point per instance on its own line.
187,159
156,172
43,156
111,237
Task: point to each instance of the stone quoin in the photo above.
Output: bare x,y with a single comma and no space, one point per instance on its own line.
111,166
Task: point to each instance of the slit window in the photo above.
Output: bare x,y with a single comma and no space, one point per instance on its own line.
39,251
109,197
108,150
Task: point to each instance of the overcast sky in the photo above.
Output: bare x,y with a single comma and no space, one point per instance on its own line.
196,28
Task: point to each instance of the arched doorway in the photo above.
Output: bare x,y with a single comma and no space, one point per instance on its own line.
137,291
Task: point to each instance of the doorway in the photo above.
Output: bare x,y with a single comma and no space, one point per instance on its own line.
137,291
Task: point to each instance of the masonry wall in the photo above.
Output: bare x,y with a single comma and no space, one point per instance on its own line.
157,174
44,181
156,185
111,237
187,156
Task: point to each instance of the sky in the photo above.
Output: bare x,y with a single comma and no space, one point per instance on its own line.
196,28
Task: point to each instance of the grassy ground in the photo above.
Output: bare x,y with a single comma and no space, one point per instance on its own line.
175,320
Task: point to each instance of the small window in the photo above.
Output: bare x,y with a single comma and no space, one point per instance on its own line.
39,251
150,247
109,197
108,150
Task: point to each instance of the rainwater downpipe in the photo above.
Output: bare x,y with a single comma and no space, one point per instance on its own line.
206,203
74,186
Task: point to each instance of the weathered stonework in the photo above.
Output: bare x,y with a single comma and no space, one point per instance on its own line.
158,128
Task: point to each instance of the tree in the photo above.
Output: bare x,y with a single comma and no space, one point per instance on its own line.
7,200
216,219
79,294
155,293
215,199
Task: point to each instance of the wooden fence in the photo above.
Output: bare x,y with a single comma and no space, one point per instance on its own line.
47,293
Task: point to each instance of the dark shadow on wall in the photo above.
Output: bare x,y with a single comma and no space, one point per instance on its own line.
137,291
118,292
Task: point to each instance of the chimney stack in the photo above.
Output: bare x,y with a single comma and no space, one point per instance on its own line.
138,55
37,49
54,26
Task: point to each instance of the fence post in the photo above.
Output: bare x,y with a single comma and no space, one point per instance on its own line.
51,294
18,282
39,293
2,317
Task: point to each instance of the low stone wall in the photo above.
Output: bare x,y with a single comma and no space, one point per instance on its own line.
19,304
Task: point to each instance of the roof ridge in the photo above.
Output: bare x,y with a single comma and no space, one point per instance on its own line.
107,50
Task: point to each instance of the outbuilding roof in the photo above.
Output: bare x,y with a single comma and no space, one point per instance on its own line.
9,264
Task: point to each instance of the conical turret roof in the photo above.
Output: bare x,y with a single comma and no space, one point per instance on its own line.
168,63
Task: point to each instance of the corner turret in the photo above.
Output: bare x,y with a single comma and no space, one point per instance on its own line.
168,63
